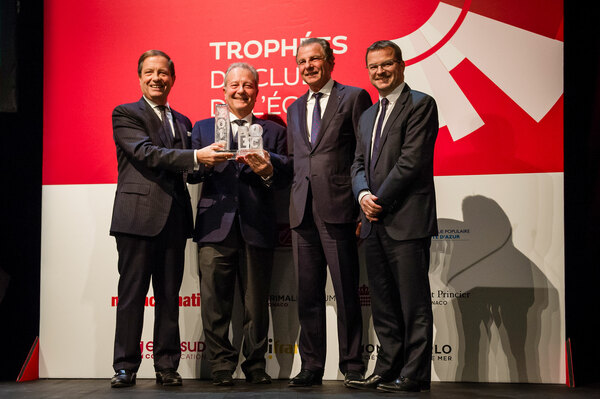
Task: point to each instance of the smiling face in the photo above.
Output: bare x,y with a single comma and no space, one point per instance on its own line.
156,79
240,91
386,73
314,68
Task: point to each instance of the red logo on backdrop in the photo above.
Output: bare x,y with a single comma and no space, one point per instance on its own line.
494,68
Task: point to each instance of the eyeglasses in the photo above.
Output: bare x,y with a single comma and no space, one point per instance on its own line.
386,65
310,60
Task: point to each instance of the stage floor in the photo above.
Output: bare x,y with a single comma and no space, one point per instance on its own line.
147,388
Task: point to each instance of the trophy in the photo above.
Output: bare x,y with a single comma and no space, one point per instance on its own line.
250,140
222,126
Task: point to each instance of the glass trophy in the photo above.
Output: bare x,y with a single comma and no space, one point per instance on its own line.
250,140
222,126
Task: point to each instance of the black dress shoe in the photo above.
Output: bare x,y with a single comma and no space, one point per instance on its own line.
122,378
258,377
370,382
352,376
222,378
306,378
404,384
168,378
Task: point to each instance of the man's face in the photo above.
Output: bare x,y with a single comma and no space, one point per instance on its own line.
385,71
314,69
156,79
240,91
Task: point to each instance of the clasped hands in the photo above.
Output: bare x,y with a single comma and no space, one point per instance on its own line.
370,208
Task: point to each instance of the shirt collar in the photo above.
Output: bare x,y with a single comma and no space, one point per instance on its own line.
393,96
326,90
247,118
154,105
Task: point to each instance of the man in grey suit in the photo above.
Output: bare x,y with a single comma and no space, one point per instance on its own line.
323,212
236,231
152,218
393,182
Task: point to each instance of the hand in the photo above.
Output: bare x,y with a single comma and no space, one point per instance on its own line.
210,155
370,207
261,165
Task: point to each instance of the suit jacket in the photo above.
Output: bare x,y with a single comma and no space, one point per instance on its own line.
325,167
403,169
151,175
231,189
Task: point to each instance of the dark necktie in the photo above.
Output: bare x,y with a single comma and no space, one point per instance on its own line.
316,119
166,124
384,104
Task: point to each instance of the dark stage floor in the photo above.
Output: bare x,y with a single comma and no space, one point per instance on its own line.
146,388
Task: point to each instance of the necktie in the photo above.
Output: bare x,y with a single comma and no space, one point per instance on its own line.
166,124
384,104
316,119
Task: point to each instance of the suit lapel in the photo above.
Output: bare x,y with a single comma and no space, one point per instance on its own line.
302,128
180,129
369,116
335,99
155,125
398,107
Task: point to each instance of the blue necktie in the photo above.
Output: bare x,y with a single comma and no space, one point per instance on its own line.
316,119
384,103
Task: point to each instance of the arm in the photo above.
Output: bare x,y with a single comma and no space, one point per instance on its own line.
130,133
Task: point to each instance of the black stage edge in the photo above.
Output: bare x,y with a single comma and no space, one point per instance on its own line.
21,217
21,168
148,389
582,187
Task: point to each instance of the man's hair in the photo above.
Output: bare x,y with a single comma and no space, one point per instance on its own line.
324,45
154,53
382,44
243,65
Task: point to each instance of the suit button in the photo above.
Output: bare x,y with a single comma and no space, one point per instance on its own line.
306,177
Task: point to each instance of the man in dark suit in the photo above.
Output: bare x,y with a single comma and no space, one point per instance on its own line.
392,178
152,218
236,232
323,212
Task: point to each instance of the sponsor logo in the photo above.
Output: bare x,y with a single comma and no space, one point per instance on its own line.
364,295
370,351
278,348
452,234
184,301
189,349
441,353
441,297
281,300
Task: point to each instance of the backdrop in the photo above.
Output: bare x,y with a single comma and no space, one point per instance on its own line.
495,69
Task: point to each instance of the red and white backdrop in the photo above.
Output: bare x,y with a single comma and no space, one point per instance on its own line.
494,67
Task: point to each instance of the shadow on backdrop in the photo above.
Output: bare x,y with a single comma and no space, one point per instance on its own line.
505,309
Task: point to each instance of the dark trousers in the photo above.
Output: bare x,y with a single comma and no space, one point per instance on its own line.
317,245
221,265
401,304
141,259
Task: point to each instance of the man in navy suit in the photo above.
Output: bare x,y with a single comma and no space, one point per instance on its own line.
236,232
323,211
152,218
393,182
